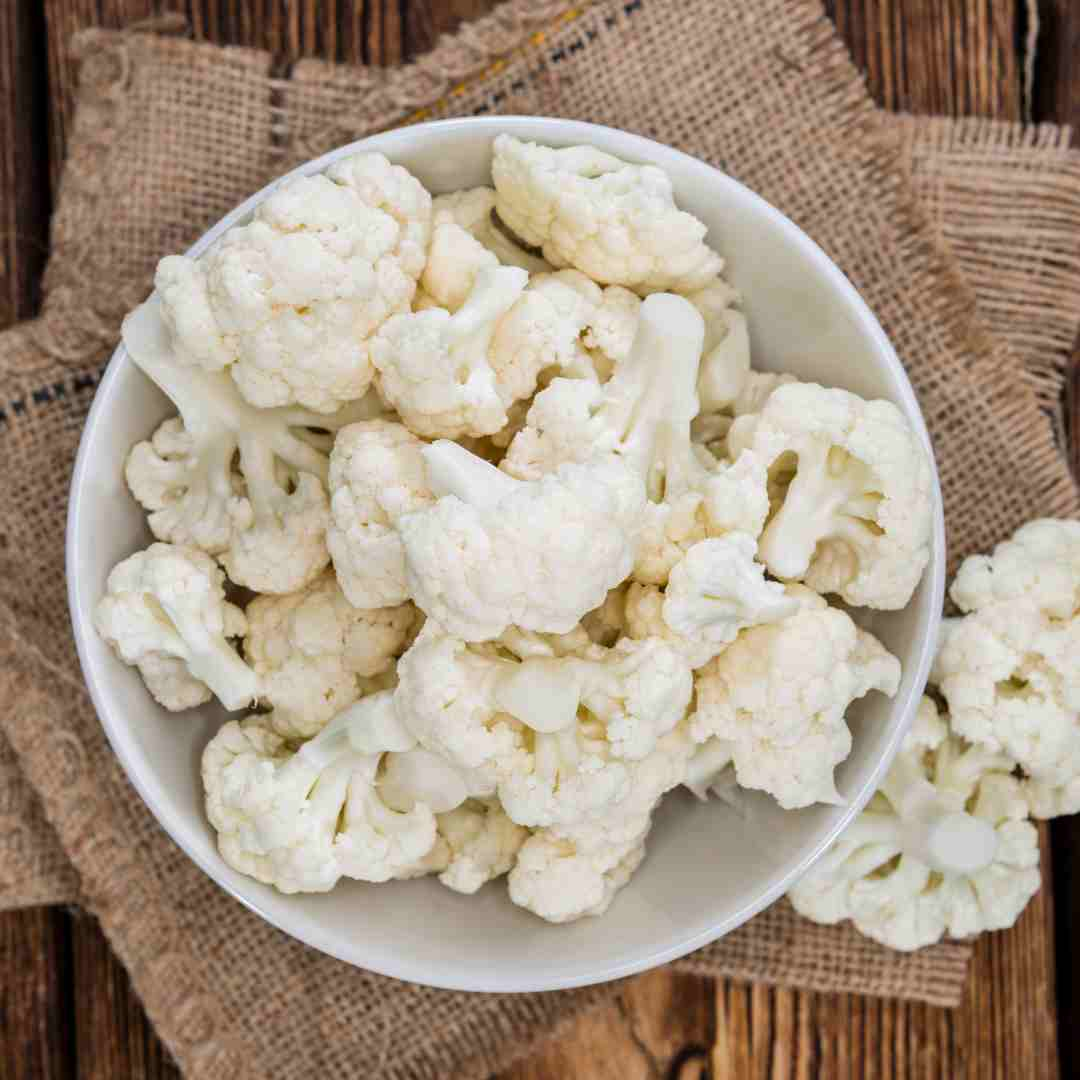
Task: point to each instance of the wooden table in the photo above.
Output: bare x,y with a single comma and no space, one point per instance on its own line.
66,1008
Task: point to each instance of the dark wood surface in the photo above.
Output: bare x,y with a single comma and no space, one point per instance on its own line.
66,1009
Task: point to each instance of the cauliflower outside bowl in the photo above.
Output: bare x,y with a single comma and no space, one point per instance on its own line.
708,867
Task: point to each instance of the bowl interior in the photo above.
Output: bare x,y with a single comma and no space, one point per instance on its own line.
708,869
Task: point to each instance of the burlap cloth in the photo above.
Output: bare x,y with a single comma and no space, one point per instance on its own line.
169,135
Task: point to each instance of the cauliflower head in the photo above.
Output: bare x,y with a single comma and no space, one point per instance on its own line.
247,485
714,592
164,611
494,552
315,653
779,694
287,302
612,746
944,847
480,844
616,223
447,698
435,368
1007,667
855,514
376,475
302,816
567,872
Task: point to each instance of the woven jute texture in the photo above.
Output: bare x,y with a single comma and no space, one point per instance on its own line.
168,136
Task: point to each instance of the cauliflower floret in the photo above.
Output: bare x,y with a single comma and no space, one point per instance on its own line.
562,322
377,474
615,222
494,552
301,818
1008,667
286,302
642,416
436,369
855,515
942,848
473,209
713,593
725,360
562,729
566,872
607,739
453,262
311,649
164,612
565,423
266,517
447,697
481,844
779,693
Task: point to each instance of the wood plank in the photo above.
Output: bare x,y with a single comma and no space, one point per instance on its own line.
659,1026
957,57
112,1036
1057,74
1057,98
34,944
35,1014
24,194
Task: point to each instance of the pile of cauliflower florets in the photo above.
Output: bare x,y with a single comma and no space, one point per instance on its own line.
946,847
530,543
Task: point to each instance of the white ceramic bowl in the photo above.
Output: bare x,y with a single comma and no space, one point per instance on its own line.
707,870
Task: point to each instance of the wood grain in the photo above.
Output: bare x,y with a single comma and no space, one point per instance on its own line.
36,1035
1057,97
24,193
954,57
112,1036
950,56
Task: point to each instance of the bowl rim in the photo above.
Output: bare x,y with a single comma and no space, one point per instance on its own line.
564,132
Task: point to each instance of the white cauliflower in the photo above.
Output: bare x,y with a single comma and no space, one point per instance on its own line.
779,693
302,818
562,729
613,746
566,872
164,611
725,360
855,515
942,848
494,552
566,422
473,209
314,652
454,260
447,698
264,516
376,475
615,222
435,368
480,844
1008,667
713,593
563,322
287,302
642,417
